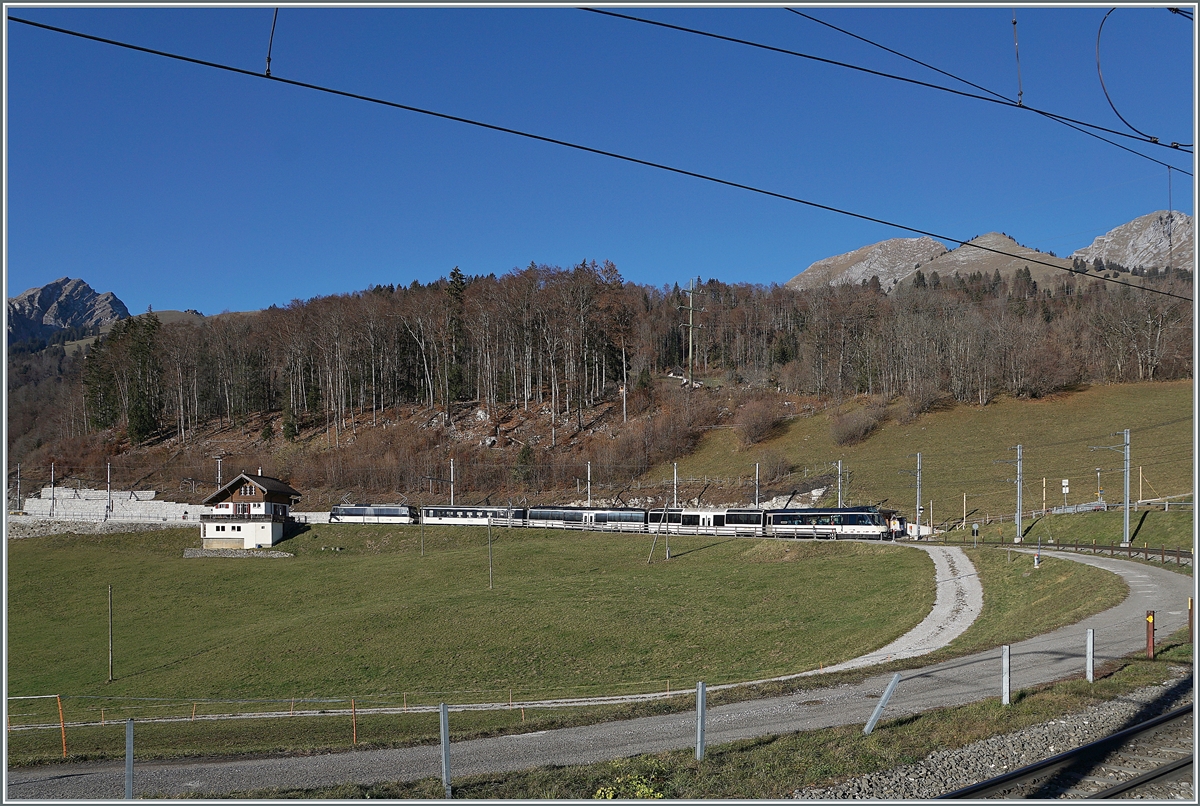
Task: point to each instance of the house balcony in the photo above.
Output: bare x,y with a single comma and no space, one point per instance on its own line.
222,518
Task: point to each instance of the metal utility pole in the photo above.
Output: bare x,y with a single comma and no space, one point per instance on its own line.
218,458
451,482
1124,448
675,486
1020,482
108,506
52,489
589,468
756,484
839,483
110,664
917,533
691,326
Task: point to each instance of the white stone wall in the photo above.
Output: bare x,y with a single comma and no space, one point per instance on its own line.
91,505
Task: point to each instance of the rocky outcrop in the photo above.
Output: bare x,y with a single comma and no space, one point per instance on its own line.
1158,240
888,260
64,303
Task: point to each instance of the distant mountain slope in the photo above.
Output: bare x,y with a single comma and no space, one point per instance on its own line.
64,303
888,260
1156,240
969,258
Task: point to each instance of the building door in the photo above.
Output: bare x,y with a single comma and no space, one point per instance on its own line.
241,509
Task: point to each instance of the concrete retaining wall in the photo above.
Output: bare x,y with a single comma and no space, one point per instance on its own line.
91,505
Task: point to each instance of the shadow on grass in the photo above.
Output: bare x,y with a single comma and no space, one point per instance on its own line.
698,548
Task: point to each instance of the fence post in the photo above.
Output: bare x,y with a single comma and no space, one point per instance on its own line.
1005,680
887,695
62,724
701,705
129,759
445,730
1091,655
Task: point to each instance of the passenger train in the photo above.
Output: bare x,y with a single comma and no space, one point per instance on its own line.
373,513
849,522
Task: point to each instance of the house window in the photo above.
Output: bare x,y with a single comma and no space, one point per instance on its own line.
247,491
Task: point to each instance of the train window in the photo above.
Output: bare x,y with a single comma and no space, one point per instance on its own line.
690,520
743,518
718,520
674,517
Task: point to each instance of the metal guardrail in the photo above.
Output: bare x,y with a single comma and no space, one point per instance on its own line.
1130,551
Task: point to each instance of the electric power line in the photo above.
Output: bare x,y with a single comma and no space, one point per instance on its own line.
881,74
897,53
1108,98
1079,129
575,146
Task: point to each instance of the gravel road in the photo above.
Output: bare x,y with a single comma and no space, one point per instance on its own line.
1054,656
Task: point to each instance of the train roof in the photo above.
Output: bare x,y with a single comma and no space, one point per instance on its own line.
827,509
501,508
588,509
336,506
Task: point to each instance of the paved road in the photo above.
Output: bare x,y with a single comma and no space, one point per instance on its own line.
1057,655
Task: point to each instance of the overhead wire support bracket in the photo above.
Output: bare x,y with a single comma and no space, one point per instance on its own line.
271,42
1017,51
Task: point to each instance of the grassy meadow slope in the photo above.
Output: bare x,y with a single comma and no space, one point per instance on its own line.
961,446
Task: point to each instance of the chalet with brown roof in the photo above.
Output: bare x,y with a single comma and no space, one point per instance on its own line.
248,512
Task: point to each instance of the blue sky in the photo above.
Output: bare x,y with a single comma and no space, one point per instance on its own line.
178,186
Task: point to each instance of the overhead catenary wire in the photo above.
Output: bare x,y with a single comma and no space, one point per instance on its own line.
897,53
575,146
1079,129
891,76
1107,97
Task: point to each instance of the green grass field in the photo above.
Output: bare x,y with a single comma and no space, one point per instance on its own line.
1148,528
569,614
960,448
379,622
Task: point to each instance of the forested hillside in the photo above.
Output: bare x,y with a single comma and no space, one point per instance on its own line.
553,347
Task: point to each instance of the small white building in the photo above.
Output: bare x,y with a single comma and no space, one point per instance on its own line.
247,513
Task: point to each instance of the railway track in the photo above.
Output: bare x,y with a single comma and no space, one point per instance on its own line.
1153,759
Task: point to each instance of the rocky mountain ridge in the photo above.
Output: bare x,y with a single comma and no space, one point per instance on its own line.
65,303
1157,240
888,260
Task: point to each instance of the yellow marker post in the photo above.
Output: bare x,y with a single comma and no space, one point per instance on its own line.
1150,634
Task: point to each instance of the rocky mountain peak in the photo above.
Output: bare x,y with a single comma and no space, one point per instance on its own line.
1157,240
64,303
888,260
